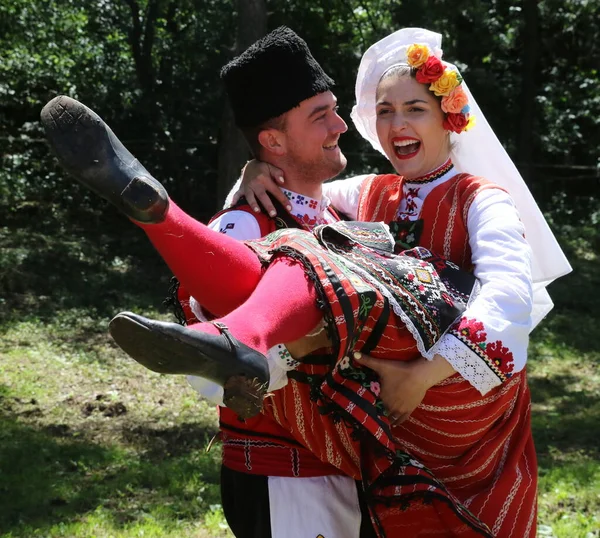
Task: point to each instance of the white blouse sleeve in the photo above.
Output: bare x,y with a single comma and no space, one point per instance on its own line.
488,344
344,194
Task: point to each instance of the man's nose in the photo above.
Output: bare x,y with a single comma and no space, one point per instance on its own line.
339,125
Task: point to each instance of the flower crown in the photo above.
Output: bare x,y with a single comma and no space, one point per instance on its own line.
442,82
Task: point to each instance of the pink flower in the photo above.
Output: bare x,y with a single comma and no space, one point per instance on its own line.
375,388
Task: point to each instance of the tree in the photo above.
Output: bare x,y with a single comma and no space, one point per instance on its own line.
233,150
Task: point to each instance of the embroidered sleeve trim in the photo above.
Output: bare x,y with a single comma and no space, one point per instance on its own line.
471,365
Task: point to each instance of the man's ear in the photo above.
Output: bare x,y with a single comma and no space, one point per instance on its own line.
272,140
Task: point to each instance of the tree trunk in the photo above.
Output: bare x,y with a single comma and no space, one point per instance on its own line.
233,150
530,39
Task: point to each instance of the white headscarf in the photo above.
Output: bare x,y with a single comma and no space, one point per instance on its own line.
477,151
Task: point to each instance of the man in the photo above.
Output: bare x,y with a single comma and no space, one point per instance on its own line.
282,102
292,123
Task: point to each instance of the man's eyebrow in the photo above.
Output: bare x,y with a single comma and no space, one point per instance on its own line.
322,108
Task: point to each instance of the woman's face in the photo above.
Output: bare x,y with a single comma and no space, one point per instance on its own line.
409,126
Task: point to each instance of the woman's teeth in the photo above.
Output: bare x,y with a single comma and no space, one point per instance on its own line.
406,147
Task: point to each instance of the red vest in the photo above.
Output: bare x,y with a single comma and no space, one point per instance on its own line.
444,212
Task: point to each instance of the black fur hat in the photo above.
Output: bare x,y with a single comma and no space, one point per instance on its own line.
271,77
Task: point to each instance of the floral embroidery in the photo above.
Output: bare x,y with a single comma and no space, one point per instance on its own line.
501,357
308,211
375,388
411,204
306,219
473,330
448,300
344,363
285,356
406,233
496,356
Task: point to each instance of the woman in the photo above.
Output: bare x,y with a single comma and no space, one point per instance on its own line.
420,132
385,475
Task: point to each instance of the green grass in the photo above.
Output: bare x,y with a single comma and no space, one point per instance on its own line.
92,444
564,377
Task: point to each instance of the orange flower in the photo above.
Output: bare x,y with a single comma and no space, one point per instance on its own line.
455,101
417,55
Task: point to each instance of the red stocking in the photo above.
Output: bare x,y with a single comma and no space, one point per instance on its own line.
218,271
281,309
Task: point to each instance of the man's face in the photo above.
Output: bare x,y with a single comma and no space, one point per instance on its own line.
311,135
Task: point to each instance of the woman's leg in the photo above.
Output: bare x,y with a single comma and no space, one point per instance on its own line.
229,351
218,271
282,308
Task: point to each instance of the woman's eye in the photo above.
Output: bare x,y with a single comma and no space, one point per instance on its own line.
415,109
383,111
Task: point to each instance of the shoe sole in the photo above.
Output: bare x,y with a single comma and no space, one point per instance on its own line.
242,394
87,149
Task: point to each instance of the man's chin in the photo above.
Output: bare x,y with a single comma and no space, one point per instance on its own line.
340,166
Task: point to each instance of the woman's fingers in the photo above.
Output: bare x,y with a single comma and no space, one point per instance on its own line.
258,181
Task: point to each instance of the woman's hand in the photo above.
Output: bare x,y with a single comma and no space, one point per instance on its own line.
259,178
404,383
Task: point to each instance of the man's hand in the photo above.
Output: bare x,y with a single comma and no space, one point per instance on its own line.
259,178
404,383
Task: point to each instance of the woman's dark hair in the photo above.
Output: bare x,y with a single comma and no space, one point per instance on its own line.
403,70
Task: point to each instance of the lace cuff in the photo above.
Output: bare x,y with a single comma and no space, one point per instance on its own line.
467,363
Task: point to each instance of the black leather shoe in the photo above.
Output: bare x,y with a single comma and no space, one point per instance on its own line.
169,348
88,149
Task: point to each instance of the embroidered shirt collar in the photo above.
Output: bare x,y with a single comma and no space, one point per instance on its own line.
445,171
308,210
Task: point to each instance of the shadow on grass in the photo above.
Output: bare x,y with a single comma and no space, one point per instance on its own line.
49,475
43,272
568,419
573,321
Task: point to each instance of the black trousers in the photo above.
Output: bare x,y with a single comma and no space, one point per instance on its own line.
245,499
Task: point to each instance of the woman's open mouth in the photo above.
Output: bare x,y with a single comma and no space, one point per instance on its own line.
405,147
